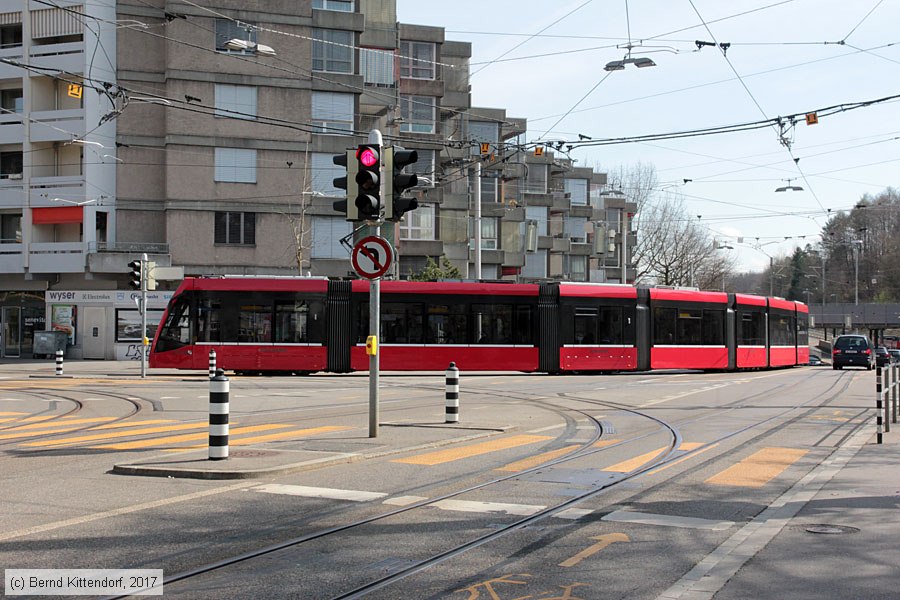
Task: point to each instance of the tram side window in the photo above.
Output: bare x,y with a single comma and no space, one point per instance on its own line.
255,323
209,319
292,322
177,329
401,323
493,323
713,327
603,325
689,327
750,332
664,326
783,330
803,331
446,325
523,325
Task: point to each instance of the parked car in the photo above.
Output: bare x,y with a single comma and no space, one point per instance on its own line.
852,350
815,361
895,354
882,356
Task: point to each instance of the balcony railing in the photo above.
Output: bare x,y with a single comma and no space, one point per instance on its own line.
129,247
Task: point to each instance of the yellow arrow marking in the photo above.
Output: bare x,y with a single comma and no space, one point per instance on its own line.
602,542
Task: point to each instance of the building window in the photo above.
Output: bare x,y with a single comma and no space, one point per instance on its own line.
575,229
11,100
332,50
226,29
577,270
235,228
424,167
484,132
235,165
11,165
332,112
11,229
538,214
489,189
417,113
488,232
338,5
536,179
236,101
535,264
326,237
418,224
324,172
377,67
577,190
417,60
11,35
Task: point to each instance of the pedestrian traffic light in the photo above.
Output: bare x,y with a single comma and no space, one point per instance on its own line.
136,276
347,182
368,181
398,182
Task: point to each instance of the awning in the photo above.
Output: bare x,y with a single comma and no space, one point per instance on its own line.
57,214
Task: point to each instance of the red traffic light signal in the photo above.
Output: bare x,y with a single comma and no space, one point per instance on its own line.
368,181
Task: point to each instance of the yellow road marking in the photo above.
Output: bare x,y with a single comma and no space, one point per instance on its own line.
682,459
11,414
117,434
51,383
759,468
52,429
444,456
533,461
188,437
605,443
602,542
270,437
66,423
637,462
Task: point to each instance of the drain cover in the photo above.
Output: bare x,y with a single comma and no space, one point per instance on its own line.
251,453
830,529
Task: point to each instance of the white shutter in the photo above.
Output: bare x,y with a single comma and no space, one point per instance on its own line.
235,165
323,173
54,22
240,99
333,111
326,237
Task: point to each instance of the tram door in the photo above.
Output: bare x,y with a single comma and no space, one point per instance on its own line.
12,331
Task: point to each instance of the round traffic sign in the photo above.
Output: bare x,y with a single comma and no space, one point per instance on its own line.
372,257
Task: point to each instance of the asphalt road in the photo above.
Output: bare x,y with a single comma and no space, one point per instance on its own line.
614,486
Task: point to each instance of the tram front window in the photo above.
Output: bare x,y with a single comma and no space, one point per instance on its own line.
176,331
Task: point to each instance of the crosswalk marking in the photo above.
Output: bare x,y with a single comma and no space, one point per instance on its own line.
637,462
522,510
627,516
66,423
759,468
117,434
445,456
317,492
187,437
533,461
64,427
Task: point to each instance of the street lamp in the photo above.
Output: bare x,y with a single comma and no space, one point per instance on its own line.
244,45
789,187
618,65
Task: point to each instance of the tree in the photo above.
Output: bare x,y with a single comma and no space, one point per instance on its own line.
432,272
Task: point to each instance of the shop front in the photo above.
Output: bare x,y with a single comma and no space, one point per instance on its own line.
21,314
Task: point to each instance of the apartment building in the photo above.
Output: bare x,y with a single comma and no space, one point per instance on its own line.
202,135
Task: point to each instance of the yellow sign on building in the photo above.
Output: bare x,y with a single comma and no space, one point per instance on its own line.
75,90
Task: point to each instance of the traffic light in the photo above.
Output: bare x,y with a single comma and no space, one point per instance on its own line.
398,182
347,182
368,181
136,274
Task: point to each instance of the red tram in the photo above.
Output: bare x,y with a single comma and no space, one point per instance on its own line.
305,325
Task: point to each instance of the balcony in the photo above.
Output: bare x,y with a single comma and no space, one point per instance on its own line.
11,260
56,257
67,57
11,129
57,125
109,257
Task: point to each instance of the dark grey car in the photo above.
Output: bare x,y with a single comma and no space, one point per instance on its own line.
852,351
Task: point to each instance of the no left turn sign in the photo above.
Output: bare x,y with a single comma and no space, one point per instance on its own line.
372,257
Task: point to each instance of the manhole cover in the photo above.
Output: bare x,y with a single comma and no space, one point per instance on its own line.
251,453
830,529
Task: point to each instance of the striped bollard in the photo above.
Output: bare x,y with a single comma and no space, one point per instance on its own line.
59,363
886,394
896,370
218,416
212,364
452,395
879,418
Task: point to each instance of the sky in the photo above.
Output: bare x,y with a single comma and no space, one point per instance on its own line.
544,61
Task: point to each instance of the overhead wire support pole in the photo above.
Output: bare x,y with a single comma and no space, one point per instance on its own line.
478,220
145,276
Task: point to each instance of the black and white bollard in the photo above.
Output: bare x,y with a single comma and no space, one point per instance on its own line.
212,364
452,395
218,416
879,414
59,363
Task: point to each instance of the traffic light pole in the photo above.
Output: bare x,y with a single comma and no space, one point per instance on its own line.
145,275
375,313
